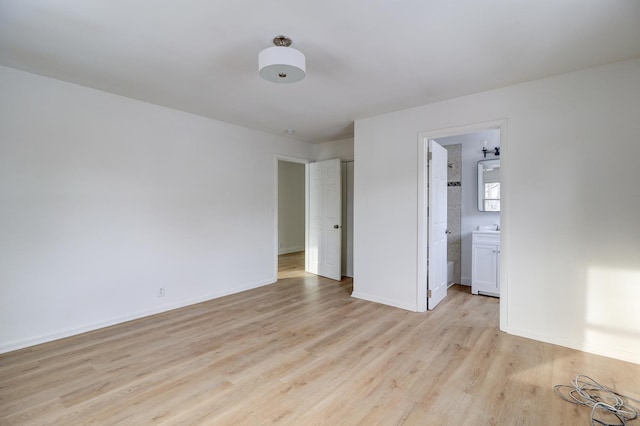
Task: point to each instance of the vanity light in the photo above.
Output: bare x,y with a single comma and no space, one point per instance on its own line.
496,150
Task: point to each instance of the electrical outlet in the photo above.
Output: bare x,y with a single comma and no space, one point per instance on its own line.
161,291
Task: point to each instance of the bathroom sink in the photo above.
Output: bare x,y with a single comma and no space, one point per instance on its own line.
494,229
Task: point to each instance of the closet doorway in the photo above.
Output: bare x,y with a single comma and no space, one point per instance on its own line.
292,211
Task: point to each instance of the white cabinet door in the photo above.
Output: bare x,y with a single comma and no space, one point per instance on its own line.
485,267
485,263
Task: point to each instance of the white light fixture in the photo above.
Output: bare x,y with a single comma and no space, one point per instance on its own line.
281,63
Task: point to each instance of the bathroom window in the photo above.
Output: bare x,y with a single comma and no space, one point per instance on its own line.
492,197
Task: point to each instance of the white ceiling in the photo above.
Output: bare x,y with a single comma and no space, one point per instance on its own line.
364,57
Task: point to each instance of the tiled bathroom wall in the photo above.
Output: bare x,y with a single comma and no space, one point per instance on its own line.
454,208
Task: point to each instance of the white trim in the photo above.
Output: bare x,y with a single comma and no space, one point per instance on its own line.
307,218
423,237
423,137
384,301
276,242
463,130
291,159
24,343
287,250
608,351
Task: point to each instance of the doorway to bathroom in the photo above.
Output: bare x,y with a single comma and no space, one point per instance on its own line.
463,216
465,147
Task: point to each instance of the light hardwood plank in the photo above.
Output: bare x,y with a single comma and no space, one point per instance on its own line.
299,352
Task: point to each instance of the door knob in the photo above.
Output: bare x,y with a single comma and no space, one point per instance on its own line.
446,231
336,226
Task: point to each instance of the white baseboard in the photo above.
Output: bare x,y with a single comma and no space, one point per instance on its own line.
286,250
61,334
610,352
384,301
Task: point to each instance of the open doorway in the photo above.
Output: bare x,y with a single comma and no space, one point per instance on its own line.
347,218
291,207
463,214
292,215
465,148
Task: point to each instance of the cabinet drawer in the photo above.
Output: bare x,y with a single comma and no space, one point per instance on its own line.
485,238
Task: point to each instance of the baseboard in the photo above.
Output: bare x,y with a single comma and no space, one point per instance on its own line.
25,343
465,281
288,250
609,352
384,301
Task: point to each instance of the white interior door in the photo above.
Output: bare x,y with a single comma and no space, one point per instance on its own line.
437,219
325,219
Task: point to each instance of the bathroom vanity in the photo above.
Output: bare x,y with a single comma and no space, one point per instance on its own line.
485,262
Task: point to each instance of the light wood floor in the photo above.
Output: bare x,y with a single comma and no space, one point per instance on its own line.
302,352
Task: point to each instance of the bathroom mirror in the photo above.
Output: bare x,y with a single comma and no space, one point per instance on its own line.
489,185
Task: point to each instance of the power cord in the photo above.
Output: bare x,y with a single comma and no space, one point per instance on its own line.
586,391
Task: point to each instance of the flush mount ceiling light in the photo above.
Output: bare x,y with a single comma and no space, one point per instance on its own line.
281,63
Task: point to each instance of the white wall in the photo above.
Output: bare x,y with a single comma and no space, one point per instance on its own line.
570,239
470,215
291,189
103,199
342,149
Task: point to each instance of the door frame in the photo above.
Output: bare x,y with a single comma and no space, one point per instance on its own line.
276,237
423,150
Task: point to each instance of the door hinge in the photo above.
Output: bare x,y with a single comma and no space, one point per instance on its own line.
429,294
430,156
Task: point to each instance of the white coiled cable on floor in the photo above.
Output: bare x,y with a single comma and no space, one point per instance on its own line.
586,391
